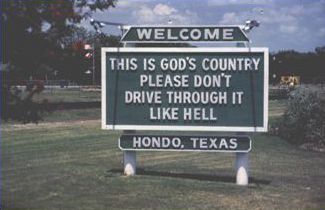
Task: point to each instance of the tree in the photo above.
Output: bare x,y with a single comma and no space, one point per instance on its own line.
320,50
74,54
33,30
33,43
309,65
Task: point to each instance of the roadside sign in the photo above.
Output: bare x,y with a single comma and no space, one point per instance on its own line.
168,34
185,143
185,89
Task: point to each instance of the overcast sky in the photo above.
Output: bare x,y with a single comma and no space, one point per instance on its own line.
286,24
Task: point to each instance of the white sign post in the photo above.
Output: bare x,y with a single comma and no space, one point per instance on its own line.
242,168
129,162
129,157
242,159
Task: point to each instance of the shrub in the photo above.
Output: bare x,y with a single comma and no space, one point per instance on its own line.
18,105
303,121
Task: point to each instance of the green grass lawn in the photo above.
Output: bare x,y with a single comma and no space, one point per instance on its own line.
70,163
72,115
68,95
277,107
78,166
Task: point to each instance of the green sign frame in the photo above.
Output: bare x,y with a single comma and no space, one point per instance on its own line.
202,143
250,116
180,34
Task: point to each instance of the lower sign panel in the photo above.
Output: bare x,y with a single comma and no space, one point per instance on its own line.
185,143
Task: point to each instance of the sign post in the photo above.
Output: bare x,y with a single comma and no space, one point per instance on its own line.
129,157
129,162
242,168
242,159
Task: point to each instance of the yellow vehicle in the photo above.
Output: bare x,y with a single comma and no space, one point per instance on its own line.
290,81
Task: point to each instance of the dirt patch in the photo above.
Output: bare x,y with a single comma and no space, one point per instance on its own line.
313,147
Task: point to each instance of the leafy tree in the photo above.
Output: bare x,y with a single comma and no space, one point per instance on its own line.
320,50
309,66
33,35
33,30
74,54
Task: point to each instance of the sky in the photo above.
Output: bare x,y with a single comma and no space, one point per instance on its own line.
284,24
